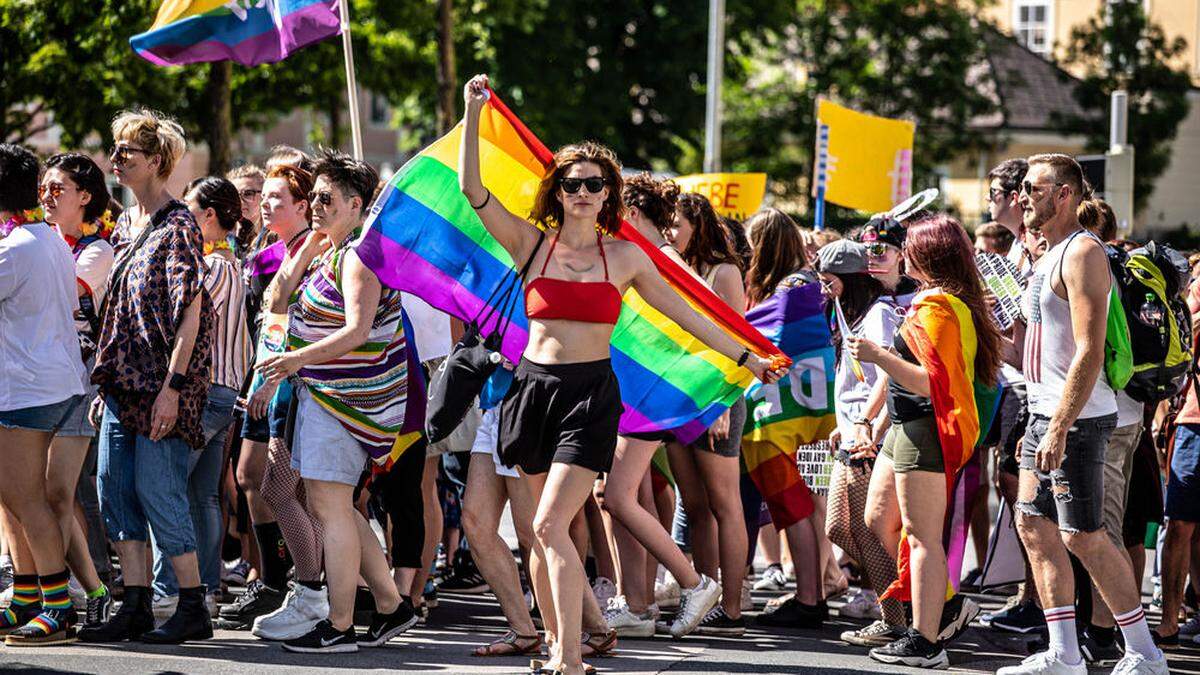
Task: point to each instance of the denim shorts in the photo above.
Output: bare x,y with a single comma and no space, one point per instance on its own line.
1183,484
1073,494
274,423
49,417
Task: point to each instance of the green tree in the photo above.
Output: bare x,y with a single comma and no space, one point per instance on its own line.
909,59
1121,49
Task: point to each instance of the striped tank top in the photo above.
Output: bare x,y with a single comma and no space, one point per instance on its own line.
365,389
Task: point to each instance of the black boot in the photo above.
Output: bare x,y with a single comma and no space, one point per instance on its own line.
129,623
190,621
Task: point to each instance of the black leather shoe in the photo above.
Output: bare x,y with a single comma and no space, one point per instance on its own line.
190,621
129,623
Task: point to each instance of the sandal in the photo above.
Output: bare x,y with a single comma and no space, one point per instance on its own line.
598,644
508,645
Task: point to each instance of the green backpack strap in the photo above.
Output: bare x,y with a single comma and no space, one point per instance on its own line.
1118,350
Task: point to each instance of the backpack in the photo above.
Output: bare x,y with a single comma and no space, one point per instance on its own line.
1148,287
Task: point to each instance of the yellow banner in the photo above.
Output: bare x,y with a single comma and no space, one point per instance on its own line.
863,162
733,195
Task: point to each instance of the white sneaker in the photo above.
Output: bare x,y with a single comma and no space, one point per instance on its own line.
604,590
772,579
302,610
234,573
1045,663
627,624
164,606
667,592
210,602
747,597
694,604
862,605
1136,664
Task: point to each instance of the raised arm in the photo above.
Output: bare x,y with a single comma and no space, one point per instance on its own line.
514,233
647,282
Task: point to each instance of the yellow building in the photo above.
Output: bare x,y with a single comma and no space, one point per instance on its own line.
1030,96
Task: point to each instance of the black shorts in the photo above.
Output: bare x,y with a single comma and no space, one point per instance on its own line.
566,413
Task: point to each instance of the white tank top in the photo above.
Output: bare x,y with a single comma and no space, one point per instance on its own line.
1050,342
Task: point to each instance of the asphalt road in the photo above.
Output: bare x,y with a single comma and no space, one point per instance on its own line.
462,622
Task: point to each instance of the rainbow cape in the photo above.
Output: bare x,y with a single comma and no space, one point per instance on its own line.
941,334
794,411
247,31
423,237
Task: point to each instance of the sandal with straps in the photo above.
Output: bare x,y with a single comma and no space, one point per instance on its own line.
508,645
598,644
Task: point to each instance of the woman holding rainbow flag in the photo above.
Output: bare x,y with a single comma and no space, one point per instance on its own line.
559,419
942,366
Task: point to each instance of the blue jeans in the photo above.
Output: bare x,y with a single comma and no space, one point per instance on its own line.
143,486
204,488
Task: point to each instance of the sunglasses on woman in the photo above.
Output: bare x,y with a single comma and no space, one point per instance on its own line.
593,184
120,154
877,250
324,198
55,190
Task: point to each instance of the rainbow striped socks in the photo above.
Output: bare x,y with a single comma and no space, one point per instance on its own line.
56,606
25,601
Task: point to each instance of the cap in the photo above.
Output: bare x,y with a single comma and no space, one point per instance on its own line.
884,229
842,257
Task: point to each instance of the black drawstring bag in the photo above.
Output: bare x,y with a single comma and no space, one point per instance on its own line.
473,359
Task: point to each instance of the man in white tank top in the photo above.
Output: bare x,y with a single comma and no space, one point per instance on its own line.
1060,500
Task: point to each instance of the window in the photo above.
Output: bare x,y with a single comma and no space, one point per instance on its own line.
380,114
1033,25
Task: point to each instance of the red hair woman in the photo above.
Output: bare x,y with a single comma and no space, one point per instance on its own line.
946,346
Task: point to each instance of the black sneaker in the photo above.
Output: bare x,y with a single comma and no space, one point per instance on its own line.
957,615
384,627
1100,649
1023,618
970,583
324,639
792,614
258,600
98,610
465,578
913,650
717,622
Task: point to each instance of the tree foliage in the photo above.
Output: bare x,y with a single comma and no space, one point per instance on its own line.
1120,48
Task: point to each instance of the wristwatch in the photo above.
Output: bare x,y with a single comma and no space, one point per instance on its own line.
176,382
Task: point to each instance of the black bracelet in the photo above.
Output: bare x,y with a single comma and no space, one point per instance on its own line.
485,201
745,355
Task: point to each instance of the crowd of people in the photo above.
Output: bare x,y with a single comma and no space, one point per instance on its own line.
195,385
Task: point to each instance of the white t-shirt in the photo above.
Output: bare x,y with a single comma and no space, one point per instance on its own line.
879,326
1129,411
40,363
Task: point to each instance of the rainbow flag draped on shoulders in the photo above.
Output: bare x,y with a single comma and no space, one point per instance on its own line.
795,411
941,334
247,31
423,237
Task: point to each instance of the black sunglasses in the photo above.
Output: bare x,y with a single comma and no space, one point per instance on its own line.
996,194
325,198
593,184
249,193
120,154
1027,187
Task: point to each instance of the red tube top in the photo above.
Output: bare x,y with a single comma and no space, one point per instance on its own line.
590,301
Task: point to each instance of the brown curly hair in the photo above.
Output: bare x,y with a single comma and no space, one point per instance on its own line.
710,243
655,198
548,210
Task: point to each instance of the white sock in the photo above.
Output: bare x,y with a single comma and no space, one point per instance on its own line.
1137,633
1060,622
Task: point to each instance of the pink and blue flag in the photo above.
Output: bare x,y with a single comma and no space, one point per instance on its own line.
247,31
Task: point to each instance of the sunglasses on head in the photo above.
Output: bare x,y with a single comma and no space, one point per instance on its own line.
593,184
120,154
324,198
55,190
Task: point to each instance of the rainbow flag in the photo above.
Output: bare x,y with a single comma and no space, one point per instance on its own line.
423,237
795,411
247,31
941,333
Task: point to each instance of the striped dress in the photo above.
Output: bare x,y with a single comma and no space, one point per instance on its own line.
365,389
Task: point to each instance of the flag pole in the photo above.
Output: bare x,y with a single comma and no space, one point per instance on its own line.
351,84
